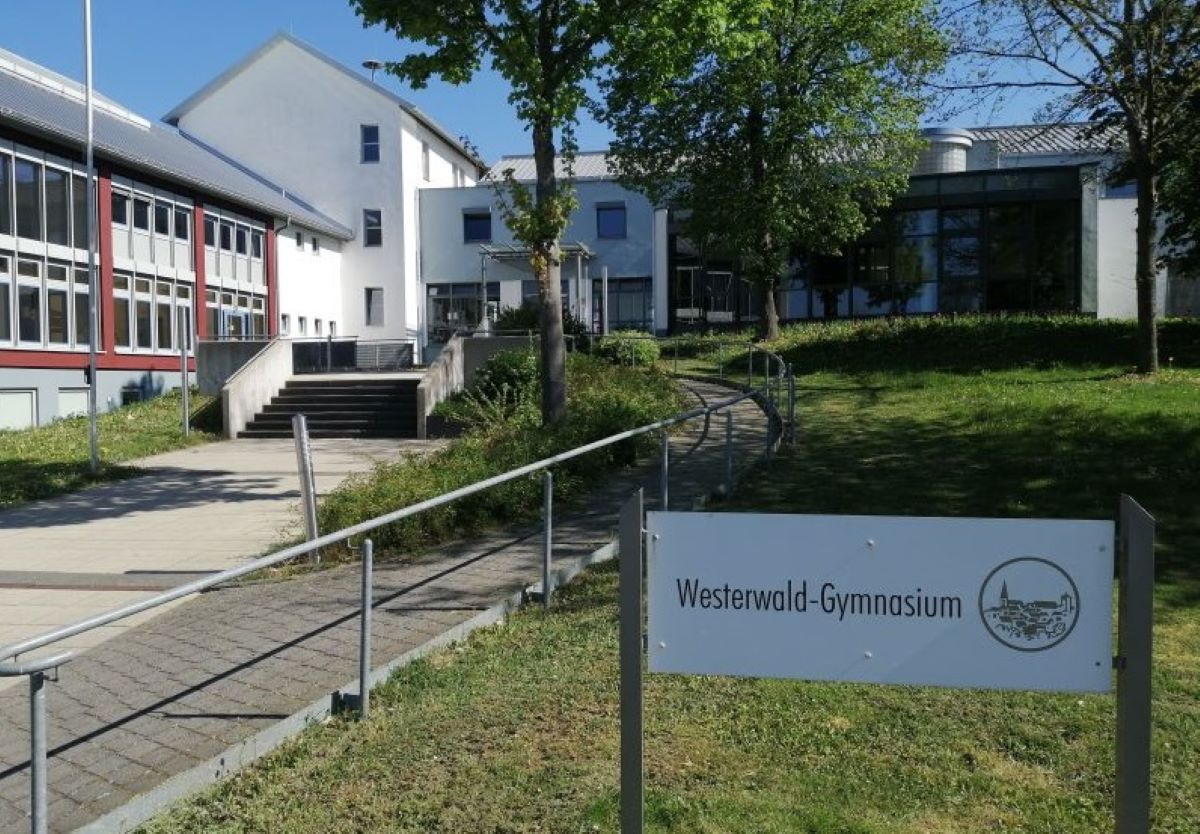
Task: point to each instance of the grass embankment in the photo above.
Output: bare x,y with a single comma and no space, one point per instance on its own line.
505,432
517,730
50,460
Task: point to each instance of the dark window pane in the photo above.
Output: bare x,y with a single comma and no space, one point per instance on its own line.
370,143
57,331
241,239
958,184
1054,273
372,227
477,227
120,208
29,199
141,214
956,220
79,210
5,313
82,317
610,221
922,222
121,322
210,231
960,296
183,224
164,325
162,218
1008,181
226,236
29,314
5,205
960,256
144,334
256,244
58,208
374,300
1008,295
916,260
210,322
299,240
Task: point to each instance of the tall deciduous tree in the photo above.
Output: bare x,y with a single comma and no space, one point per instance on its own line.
548,51
1129,66
1181,198
795,125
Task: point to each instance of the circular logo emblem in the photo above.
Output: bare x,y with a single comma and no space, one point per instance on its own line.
1029,604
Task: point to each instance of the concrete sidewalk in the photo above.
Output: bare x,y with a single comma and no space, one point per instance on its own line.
194,511
157,705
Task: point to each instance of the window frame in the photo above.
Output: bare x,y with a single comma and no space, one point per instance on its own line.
609,207
373,225
365,143
147,202
476,214
367,298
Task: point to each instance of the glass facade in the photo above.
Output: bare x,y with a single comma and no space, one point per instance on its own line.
453,307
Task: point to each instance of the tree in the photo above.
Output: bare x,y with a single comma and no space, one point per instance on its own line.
795,123
1129,66
548,51
1181,199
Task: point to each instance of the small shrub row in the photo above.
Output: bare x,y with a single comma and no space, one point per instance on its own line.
603,399
628,347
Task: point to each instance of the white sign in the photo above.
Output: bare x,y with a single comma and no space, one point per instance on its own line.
971,602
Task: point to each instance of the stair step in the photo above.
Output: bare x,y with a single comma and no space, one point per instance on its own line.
318,434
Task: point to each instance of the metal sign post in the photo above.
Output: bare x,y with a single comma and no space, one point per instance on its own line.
1135,624
631,665
184,339
308,492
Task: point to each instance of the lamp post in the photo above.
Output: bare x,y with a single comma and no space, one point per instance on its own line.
372,65
90,214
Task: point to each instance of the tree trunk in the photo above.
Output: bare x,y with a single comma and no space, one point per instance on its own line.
547,267
770,322
1146,275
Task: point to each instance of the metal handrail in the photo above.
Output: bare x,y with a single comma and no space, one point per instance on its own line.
187,589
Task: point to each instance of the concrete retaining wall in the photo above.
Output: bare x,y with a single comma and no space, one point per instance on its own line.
216,362
456,366
253,386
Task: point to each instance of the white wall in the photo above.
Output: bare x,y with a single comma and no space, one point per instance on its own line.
310,282
1116,261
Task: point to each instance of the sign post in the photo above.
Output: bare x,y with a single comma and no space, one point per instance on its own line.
1135,627
631,664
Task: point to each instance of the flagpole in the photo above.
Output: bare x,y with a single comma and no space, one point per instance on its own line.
90,215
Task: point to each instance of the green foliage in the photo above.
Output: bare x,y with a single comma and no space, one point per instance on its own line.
796,127
605,400
41,462
628,347
525,317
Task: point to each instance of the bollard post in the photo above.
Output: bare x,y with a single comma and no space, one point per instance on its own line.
729,453
721,359
631,642
547,536
791,384
184,338
37,752
364,635
750,367
677,355
329,352
665,474
308,492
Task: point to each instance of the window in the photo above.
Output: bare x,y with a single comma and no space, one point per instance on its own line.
370,142
300,240
183,224
242,234
374,299
455,306
143,315
29,301
122,320
256,244
425,161
5,300
477,226
58,207
610,220
29,199
333,328
83,312
302,322
629,304
162,218
316,246
141,214
210,231
79,198
285,324
5,206
120,208
317,326
57,316
372,227
226,236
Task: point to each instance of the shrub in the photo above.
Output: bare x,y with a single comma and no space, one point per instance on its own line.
628,347
505,388
603,399
525,317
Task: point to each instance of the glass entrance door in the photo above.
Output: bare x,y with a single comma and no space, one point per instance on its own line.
235,324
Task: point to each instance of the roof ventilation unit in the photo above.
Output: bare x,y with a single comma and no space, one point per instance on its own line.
946,152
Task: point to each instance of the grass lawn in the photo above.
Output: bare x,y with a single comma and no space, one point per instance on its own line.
516,731
37,463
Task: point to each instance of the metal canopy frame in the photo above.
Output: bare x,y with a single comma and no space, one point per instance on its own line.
507,252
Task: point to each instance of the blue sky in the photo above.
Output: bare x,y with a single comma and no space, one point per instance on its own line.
151,54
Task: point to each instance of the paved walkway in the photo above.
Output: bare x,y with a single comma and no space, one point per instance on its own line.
177,691
195,511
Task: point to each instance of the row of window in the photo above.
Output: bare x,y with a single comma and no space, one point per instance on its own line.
42,202
142,212
230,315
316,243
43,303
230,236
369,148
19,406
610,223
151,315
285,326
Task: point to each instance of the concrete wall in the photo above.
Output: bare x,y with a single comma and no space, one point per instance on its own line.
254,384
455,368
53,388
216,362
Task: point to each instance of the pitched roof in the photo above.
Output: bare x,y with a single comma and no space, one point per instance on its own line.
1079,137
39,101
177,112
589,165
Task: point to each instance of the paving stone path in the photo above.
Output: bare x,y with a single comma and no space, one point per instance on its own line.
177,691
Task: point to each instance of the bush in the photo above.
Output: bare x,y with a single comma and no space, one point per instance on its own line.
505,389
628,347
603,400
525,317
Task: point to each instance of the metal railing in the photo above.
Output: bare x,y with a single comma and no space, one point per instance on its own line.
42,670
349,354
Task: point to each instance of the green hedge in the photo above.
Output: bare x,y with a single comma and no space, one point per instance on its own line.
603,400
628,347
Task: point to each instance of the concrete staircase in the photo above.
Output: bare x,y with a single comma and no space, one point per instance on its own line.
342,407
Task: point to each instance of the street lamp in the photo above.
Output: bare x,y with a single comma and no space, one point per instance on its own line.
372,64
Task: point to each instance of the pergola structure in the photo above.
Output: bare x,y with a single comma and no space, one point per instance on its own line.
511,254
